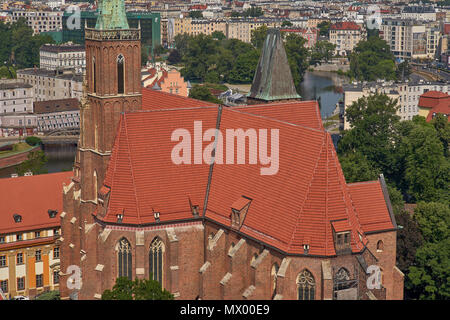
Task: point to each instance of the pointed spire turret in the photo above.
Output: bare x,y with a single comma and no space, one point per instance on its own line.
273,79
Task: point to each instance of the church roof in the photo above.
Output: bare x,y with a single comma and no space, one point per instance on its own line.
31,197
299,204
273,78
111,15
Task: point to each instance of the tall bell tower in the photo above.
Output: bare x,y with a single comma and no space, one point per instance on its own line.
113,86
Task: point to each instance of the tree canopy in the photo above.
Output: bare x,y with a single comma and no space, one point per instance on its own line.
413,156
371,60
19,47
139,289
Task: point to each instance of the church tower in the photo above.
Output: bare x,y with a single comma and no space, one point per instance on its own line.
113,86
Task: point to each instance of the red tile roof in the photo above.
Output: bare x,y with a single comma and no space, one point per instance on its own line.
31,197
141,174
443,107
346,25
298,205
156,99
369,202
303,113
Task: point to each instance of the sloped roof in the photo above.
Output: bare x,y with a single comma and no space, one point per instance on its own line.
299,204
372,211
304,113
345,25
156,99
141,174
31,197
273,78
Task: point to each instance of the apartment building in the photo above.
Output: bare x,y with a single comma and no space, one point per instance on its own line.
40,21
53,85
240,29
423,13
16,96
406,93
346,35
64,56
410,39
30,234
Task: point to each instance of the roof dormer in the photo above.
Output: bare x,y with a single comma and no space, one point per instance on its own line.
239,210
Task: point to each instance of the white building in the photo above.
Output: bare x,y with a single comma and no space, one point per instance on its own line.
64,56
406,93
16,96
40,21
53,85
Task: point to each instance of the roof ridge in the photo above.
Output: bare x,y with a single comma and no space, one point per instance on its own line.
138,209
306,195
176,95
171,109
277,120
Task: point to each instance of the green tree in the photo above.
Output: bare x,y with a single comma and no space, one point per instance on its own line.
258,36
427,171
429,278
174,57
371,60
244,67
286,23
195,14
433,219
49,295
202,93
218,35
7,72
322,51
442,126
35,163
324,28
403,71
373,120
356,168
297,56
139,289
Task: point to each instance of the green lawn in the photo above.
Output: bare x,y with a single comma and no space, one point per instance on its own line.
17,148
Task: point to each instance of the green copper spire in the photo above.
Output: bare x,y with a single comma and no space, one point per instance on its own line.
112,15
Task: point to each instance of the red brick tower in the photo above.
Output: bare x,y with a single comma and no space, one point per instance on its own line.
112,86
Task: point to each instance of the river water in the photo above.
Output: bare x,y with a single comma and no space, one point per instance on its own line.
318,84
326,86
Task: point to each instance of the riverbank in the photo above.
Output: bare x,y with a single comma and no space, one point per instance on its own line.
15,157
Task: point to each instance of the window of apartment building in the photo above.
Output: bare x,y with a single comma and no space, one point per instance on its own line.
19,237
4,285
38,255
37,234
39,282
3,261
21,283
2,239
55,277
56,253
19,258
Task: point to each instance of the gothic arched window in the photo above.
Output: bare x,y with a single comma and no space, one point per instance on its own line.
306,285
156,259
124,258
120,74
